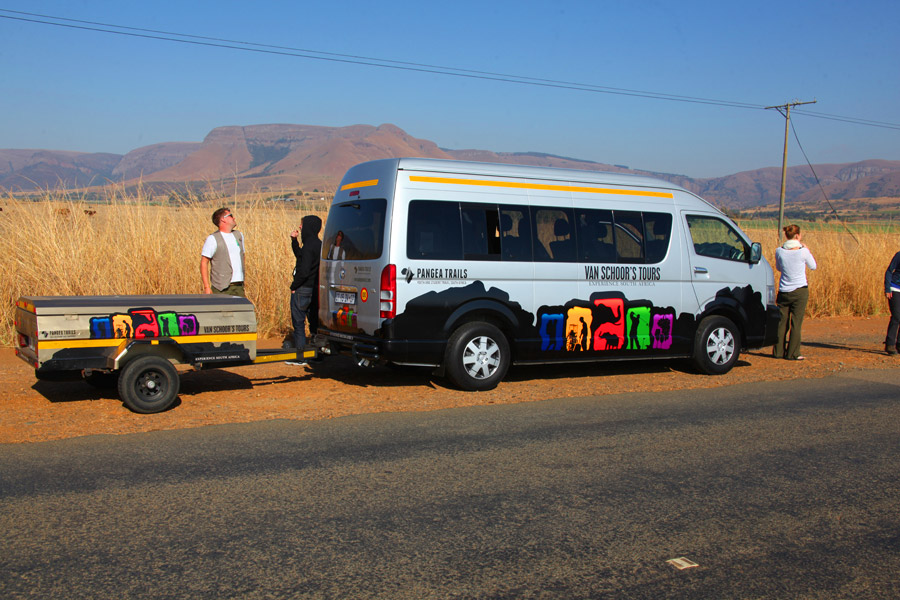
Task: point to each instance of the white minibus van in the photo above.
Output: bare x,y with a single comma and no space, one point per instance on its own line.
471,267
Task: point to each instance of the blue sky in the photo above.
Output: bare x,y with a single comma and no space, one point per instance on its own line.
68,89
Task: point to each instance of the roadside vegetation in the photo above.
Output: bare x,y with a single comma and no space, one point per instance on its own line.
851,261
132,244
62,243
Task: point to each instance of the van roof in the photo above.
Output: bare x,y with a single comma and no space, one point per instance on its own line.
529,172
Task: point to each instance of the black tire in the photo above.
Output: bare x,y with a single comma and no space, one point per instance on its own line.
102,380
717,345
477,356
148,384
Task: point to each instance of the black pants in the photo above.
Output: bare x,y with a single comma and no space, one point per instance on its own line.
894,303
304,306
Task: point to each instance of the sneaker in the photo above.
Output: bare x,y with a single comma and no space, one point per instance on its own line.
296,363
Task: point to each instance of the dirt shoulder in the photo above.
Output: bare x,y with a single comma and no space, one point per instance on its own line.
33,411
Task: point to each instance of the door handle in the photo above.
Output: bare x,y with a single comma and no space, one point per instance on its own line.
700,270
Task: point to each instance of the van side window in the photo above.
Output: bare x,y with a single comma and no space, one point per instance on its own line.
434,230
657,232
717,239
554,234
515,233
455,231
629,234
480,231
594,233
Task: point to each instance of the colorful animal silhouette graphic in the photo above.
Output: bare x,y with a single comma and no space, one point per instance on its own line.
142,323
606,322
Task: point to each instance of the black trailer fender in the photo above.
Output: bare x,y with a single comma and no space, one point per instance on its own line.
165,348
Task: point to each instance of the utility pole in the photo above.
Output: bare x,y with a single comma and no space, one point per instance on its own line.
785,110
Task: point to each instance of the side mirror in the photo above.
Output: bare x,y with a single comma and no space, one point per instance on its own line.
755,253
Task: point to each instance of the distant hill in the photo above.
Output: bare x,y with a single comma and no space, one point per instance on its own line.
44,169
153,159
281,157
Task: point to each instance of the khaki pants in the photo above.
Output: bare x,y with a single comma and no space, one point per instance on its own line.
793,307
234,289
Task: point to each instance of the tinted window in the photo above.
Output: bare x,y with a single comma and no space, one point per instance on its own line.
481,232
629,234
594,233
657,233
554,234
454,231
362,225
515,233
717,239
434,230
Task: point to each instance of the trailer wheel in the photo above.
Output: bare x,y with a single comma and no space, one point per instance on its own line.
148,384
477,356
716,345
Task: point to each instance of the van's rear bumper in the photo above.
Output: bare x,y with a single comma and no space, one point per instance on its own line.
374,349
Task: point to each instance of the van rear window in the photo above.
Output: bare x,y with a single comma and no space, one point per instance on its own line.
361,227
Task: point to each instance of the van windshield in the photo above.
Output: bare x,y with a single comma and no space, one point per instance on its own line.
355,230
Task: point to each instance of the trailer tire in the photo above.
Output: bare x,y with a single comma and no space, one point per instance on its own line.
717,345
477,356
148,384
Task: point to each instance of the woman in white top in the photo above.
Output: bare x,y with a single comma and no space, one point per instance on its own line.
792,259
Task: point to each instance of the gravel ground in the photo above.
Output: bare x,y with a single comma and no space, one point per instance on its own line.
34,411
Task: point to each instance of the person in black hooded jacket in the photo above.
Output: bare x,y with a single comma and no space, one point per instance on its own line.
892,293
305,286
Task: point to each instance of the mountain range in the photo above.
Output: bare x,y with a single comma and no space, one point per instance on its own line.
283,157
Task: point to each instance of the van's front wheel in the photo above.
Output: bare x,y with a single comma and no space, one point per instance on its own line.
716,345
477,356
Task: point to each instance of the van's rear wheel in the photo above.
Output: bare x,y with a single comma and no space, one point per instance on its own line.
477,356
716,345
148,384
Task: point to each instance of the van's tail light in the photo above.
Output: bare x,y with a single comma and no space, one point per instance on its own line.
388,295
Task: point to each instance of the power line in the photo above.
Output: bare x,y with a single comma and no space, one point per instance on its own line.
379,60
139,32
854,120
214,42
822,189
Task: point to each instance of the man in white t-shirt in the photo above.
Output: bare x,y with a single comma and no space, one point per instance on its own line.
222,257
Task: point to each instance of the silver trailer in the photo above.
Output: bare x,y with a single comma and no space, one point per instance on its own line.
133,342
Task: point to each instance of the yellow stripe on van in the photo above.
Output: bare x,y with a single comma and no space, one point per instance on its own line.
359,184
539,186
110,342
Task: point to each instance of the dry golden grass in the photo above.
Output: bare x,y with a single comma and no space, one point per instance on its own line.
849,279
63,246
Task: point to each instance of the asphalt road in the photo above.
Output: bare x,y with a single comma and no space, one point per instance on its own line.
774,490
